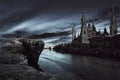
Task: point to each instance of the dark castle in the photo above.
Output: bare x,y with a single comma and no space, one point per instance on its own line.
89,31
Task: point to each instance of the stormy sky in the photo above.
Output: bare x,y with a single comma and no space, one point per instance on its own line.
47,15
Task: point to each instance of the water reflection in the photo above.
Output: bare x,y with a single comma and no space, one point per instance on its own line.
56,56
86,68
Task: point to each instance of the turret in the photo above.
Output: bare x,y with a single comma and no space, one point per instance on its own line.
93,27
113,24
73,31
83,20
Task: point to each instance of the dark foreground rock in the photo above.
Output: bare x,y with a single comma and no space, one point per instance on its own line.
32,51
24,72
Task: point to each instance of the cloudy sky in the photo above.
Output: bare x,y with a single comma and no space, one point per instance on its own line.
47,15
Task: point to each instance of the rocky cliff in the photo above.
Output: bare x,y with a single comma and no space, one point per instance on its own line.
14,66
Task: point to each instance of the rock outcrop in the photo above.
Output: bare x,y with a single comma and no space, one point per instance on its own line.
13,66
32,50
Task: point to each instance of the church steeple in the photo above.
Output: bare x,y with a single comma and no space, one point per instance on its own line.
84,33
83,19
113,24
93,27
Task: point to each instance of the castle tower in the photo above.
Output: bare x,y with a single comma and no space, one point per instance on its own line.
73,31
113,24
84,34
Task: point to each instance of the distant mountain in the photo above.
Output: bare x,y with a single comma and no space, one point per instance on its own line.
25,34
10,36
47,35
61,39
16,34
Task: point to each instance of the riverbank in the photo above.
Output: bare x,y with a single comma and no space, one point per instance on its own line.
96,52
14,66
104,47
80,67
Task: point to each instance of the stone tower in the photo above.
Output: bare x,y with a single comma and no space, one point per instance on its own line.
113,24
73,31
84,34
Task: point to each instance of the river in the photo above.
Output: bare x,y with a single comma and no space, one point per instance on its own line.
79,67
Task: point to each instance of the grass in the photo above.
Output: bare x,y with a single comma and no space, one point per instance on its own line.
14,49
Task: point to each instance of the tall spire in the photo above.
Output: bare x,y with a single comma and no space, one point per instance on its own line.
83,19
83,12
113,25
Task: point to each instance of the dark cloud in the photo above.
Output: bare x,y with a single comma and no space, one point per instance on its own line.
16,16
106,14
16,12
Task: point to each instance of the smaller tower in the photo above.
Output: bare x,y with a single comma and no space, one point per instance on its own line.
73,31
93,30
93,27
113,24
105,33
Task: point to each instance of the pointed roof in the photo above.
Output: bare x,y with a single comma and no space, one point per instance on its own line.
113,13
105,32
83,12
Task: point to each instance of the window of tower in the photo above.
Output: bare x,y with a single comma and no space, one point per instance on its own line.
115,31
92,33
84,32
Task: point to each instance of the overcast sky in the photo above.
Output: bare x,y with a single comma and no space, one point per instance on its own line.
47,15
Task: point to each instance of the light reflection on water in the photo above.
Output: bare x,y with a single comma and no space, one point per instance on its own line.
88,68
56,56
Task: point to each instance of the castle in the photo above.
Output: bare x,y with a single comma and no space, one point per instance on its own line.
89,31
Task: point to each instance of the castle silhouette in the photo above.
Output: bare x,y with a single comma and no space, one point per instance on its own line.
89,31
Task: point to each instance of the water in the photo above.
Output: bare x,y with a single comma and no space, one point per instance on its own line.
79,67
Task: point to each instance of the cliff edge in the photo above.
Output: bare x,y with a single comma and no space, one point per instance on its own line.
14,66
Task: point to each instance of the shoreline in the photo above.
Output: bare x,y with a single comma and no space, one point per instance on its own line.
95,52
